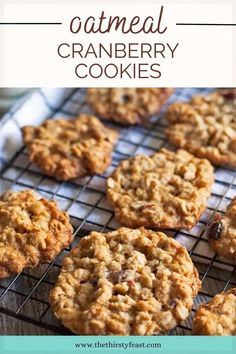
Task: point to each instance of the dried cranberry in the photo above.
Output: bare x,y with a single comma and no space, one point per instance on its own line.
215,229
172,303
130,282
93,282
228,94
217,217
126,98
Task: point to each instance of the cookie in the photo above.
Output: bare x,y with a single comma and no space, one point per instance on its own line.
127,105
32,231
125,282
164,190
222,233
217,317
206,126
66,149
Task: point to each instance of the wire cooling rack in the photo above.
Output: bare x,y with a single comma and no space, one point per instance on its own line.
25,296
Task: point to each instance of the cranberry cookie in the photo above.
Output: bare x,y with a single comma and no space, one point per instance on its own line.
125,282
66,149
222,233
206,126
217,317
32,231
127,105
165,190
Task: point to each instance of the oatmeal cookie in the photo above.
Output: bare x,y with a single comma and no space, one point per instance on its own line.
127,105
125,282
217,317
206,126
32,231
165,190
222,233
70,148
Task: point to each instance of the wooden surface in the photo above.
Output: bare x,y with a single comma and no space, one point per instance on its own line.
34,308
12,326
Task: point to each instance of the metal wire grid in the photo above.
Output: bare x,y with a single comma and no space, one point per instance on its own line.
25,296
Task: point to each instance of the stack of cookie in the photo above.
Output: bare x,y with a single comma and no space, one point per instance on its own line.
135,280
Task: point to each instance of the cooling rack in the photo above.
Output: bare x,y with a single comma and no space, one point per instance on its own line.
25,296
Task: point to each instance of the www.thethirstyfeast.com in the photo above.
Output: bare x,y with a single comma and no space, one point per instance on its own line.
118,59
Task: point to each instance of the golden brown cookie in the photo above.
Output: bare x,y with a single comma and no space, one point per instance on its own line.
32,231
206,126
67,149
164,190
217,317
125,282
222,233
127,105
